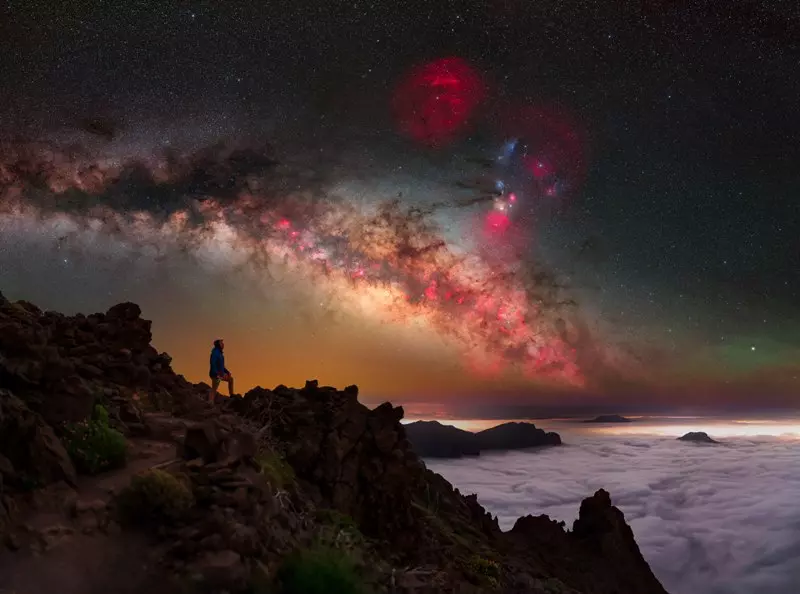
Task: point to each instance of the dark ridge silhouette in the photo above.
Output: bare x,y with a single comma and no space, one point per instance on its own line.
431,439
697,437
609,419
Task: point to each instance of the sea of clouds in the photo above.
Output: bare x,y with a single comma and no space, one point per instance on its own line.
710,519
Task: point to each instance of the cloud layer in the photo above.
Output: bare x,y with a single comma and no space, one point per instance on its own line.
709,519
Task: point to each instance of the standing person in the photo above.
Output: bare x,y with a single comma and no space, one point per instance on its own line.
218,372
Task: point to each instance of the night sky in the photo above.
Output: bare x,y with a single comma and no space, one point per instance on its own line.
650,260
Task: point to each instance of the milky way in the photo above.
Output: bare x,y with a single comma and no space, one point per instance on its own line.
237,209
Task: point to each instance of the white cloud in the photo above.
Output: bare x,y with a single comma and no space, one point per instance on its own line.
709,519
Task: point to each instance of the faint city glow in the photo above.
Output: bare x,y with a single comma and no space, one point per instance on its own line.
715,428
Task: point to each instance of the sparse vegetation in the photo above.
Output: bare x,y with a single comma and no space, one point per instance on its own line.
485,569
335,519
94,445
340,531
155,496
279,473
320,570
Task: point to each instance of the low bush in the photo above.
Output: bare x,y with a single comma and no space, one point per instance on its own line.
155,497
319,571
486,569
93,445
277,470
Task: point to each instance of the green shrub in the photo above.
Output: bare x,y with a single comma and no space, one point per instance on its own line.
335,519
319,571
486,569
276,469
155,497
94,446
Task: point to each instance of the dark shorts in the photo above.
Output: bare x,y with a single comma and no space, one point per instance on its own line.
223,378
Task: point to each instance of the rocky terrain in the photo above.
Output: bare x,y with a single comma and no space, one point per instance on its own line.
117,476
697,437
431,439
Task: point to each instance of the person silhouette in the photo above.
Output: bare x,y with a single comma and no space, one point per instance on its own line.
218,372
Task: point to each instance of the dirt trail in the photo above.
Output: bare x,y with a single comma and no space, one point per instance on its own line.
69,544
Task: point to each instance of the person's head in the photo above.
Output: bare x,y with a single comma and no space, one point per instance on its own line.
219,343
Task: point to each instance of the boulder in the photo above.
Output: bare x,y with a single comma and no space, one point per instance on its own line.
221,571
33,456
124,311
202,441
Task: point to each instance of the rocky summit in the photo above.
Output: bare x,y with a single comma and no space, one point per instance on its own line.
117,476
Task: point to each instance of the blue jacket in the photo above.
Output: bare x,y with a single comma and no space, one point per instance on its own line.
217,362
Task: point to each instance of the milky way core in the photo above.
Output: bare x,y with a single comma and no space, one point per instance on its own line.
230,209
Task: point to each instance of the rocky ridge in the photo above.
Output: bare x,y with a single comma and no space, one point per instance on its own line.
242,487
431,439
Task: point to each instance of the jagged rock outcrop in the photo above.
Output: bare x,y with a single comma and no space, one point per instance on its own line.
61,365
600,539
259,474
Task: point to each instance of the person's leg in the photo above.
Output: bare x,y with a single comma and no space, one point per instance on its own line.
230,385
213,393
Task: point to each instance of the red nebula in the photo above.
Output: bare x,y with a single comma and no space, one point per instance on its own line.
497,223
435,101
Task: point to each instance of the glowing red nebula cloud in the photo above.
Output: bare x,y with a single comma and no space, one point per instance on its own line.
434,102
497,223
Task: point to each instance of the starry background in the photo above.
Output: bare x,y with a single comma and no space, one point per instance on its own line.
683,241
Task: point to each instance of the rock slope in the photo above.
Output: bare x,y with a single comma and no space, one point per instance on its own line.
230,499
